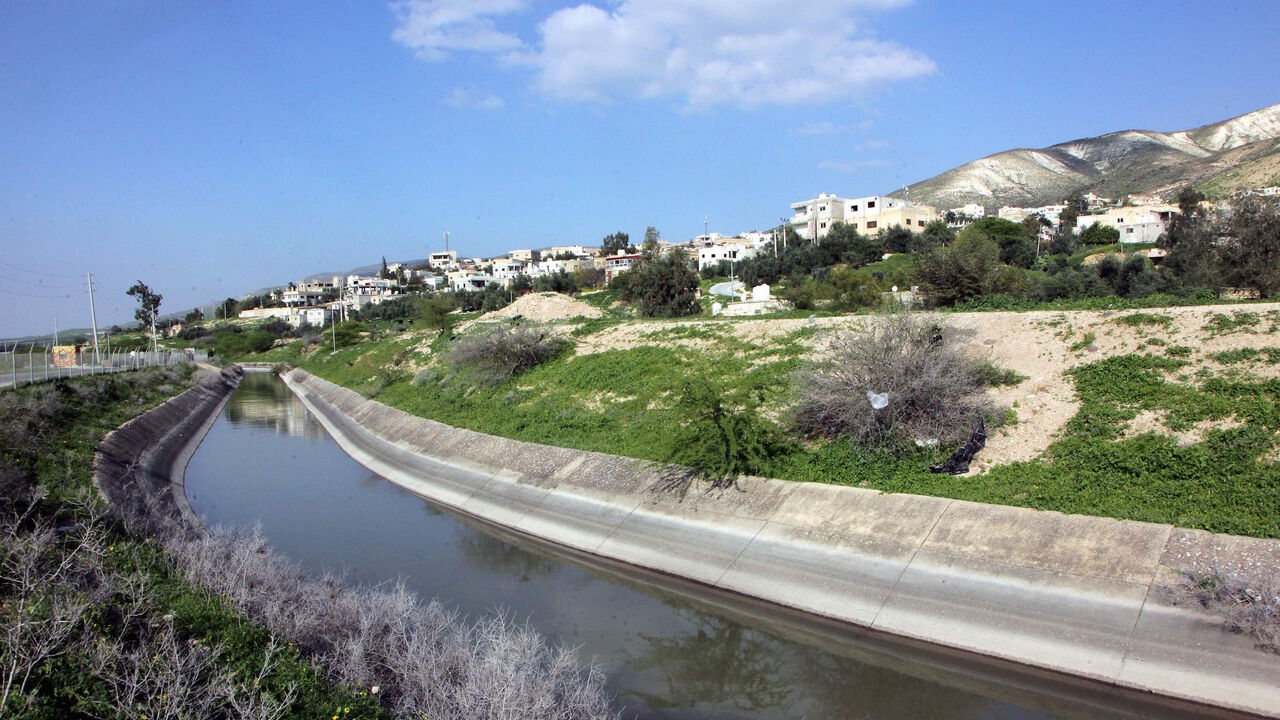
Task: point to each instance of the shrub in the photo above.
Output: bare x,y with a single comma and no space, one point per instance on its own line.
971,268
724,437
1099,234
436,312
935,390
499,353
664,287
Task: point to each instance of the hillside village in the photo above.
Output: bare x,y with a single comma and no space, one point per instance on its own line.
1140,221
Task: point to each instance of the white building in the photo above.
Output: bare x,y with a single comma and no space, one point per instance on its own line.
712,254
469,281
869,215
504,271
1052,213
970,211
443,261
1137,224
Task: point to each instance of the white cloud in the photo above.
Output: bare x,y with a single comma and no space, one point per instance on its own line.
434,28
704,53
714,52
825,127
850,165
468,97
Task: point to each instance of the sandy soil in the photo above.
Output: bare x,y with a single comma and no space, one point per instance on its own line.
538,307
1041,345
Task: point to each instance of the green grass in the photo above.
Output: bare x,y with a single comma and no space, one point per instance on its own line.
1143,320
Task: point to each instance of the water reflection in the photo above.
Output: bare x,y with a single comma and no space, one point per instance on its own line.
263,401
668,653
721,663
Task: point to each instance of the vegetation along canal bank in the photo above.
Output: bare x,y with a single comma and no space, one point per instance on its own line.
130,609
1092,597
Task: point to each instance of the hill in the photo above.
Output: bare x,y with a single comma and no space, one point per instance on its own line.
1220,158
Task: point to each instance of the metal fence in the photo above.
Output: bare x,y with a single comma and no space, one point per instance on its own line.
24,366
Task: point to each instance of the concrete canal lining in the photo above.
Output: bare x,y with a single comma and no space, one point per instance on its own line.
1079,595
139,467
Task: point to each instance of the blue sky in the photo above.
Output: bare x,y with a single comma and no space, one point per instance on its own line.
209,149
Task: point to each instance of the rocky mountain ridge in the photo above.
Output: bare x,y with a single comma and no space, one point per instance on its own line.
1220,158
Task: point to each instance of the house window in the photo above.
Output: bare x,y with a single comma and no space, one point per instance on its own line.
871,224
920,223
1129,230
855,226
824,207
824,224
871,204
853,208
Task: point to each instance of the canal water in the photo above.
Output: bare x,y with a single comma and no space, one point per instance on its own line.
670,650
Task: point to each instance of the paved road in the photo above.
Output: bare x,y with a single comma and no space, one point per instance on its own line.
6,377
726,289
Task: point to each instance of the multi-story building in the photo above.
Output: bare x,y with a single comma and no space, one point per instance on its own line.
813,219
504,271
615,265
443,261
1137,223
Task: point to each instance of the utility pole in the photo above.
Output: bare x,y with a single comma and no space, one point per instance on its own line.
93,318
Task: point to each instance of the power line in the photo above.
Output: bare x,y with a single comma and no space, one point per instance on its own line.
38,297
37,272
41,283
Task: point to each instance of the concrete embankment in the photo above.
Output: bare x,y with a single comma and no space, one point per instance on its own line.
139,467
1079,595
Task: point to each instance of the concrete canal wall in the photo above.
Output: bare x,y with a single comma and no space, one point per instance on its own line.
139,467
1080,595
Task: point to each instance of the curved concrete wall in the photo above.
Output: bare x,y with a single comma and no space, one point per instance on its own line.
139,467
1080,595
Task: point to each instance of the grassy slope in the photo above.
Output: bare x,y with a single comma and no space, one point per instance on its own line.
622,401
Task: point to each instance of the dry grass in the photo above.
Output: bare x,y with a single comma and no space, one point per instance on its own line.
934,387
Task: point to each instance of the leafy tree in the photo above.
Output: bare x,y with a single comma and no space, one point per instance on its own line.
651,248
229,307
897,239
936,234
1076,206
967,270
616,243
1189,200
1009,236
1099,234
148,303
588,277
435,311
521,284
1064,241
1250,256
385,273
194,316
851,289
665,287
560,281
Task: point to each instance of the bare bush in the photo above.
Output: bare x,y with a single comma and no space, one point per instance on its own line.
498,353
425,658
1249,608
934,389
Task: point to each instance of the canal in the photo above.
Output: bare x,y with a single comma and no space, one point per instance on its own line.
670,650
